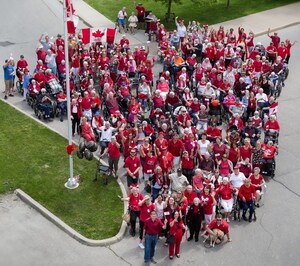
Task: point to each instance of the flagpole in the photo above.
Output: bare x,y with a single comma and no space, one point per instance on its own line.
71,181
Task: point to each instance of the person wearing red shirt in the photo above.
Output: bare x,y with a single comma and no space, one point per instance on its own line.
275,38
152,227
132,165
86,104
213,132
123,41
140,13
217,229
150,162
282,51
166,161
176,230
190,195
41,53
160,143
257,180
146,207
272,124
247,193
246,150
208,202
175,147
87,131
268,156
158,101
187,166
113,150
219,149
194,219
225,191
271,52
172,99
134,209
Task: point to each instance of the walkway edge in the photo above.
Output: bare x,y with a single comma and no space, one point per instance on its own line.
66,228
54,219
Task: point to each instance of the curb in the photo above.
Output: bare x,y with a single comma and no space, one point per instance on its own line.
66,228
54,219
279,28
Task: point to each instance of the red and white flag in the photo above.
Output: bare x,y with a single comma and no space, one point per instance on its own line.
273,108
72,19
110,35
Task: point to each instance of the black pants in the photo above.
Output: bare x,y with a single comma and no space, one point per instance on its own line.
188,173
75,123
141,229
133,216
194,226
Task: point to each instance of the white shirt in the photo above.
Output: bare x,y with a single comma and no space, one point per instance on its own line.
178,182
159,209
121,15
181,30
261,97
203,146
106,134
237,180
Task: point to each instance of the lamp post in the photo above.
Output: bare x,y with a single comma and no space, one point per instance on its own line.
72,182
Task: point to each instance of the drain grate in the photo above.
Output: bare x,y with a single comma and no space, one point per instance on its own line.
6,43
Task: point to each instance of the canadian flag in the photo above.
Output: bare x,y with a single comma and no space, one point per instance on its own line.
98,35
273,108
72,19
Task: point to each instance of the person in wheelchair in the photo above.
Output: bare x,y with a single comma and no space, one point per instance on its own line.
247,193
33,89
61,104
251,132
268,160
45,104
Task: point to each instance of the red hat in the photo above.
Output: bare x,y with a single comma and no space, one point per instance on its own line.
236,167
106,74
205,25
164,148
161,134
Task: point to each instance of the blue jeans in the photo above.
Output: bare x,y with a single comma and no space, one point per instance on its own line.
144,103
150,243
248,205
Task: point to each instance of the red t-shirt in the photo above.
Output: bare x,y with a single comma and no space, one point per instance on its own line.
86,103
256,181
132,164
269,153
245,153
248,193
208,203
145,211
134,201
140,11
153,228
113,150
149,164
187,163
223,226
219,151
190,196
175,147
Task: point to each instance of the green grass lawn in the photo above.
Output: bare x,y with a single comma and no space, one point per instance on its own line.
34,159
204,13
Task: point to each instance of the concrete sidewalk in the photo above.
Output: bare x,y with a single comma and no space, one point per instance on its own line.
259,23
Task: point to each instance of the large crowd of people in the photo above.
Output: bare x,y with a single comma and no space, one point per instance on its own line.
201,137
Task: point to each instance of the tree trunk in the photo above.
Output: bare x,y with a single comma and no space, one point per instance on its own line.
169,11
228,3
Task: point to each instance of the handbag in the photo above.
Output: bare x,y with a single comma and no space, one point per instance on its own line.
170,239
126,217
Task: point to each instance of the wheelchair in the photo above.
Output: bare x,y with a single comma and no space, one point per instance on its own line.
269,167
39,109
271,136
53,87
31,99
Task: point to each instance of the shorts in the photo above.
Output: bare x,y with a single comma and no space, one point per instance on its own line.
9,83
227,205
121,21
208,218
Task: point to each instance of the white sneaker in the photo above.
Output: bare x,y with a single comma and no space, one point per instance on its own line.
141,245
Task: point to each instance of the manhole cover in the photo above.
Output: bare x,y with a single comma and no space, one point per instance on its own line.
6,43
